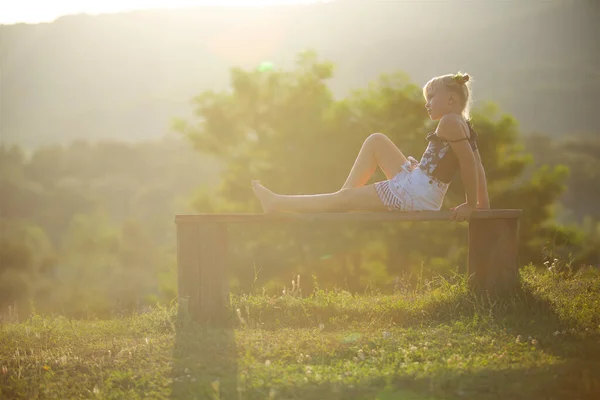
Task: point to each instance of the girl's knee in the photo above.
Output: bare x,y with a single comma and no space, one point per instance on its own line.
376,139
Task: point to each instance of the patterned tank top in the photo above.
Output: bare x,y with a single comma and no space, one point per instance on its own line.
439,161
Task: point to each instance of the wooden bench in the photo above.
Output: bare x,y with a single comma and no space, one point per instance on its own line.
203,281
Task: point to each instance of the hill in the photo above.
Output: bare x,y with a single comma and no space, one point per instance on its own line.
126,75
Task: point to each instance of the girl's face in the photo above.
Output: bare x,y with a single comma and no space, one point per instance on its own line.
438,103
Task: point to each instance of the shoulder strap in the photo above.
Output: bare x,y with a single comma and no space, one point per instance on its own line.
472,139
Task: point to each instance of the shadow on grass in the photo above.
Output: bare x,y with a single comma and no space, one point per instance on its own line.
524,311
205,362
569,380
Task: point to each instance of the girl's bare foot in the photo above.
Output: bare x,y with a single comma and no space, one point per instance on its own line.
265,196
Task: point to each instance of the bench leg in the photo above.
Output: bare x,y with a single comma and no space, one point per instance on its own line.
493,255
203,281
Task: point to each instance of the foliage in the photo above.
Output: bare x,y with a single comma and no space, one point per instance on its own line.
87,229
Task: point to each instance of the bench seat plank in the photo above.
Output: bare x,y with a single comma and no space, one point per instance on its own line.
345,216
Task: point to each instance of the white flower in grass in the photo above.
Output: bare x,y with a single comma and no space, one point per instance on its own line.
534,342
309,370
361,355
519,339
386,335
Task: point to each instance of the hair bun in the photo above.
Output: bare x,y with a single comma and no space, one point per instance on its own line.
461,78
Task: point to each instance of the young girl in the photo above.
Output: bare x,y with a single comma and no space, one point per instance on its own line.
411,185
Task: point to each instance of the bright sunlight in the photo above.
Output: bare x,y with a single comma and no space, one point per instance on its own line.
34,11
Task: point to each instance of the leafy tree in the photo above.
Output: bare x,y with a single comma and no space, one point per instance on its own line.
27,259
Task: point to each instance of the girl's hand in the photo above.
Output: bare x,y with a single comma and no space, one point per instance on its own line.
462,212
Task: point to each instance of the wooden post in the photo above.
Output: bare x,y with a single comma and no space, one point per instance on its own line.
203,270
187,267
493,254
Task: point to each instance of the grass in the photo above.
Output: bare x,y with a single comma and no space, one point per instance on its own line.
441,342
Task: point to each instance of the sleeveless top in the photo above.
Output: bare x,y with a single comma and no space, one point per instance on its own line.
439,161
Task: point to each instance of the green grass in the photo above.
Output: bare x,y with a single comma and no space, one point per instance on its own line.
442,342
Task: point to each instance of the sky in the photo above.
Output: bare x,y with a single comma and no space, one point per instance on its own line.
35,11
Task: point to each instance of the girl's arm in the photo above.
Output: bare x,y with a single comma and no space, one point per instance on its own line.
450,129
483,200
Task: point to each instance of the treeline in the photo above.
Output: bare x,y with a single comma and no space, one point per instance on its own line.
87,229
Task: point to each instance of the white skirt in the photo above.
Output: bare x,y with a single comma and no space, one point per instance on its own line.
412,190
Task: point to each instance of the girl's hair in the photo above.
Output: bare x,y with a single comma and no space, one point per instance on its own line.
457,83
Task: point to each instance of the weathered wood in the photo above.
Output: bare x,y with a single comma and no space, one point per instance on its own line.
203,289
493,255
213,266
187,268
345,216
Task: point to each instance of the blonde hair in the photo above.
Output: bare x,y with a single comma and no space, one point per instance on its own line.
457,83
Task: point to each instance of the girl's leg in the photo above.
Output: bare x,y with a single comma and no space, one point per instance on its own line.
376,150
351,199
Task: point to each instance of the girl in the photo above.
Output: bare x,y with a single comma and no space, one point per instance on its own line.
411,185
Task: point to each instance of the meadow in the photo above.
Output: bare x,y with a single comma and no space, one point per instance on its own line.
436,341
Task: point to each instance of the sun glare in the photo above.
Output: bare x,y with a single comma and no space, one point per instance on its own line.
35,11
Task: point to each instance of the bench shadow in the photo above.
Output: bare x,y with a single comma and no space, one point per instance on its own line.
568,381
520,312
525,313
205,362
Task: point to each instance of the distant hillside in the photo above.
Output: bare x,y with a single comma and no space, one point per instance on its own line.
126,75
